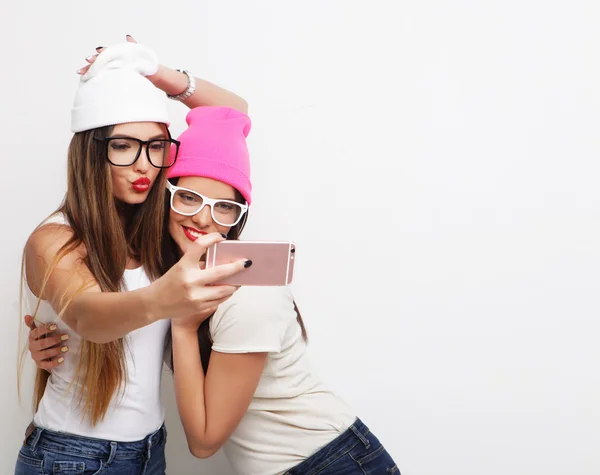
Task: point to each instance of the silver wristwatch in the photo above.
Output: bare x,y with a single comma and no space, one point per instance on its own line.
189,90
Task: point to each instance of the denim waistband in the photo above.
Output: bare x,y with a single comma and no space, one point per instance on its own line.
107,450
355,434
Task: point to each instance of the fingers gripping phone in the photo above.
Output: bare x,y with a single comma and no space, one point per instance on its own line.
272,261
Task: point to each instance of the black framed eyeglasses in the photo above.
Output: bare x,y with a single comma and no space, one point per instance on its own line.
123,151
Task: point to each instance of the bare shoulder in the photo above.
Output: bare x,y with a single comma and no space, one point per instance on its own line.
42,249
46,241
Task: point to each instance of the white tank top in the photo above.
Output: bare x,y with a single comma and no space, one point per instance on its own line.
135,411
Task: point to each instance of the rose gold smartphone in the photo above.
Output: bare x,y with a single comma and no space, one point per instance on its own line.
272,261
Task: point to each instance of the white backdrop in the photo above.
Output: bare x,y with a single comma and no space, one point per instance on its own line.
436,163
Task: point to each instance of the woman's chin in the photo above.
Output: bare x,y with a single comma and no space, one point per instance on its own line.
184,246
131,198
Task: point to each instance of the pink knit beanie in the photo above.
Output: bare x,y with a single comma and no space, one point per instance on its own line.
214,146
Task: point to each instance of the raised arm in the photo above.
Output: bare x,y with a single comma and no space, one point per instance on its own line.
173,82
206,93
101,317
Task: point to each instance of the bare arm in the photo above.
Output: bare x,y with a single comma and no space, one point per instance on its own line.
106,316
206,94
173,83
244,332
211,407
71,289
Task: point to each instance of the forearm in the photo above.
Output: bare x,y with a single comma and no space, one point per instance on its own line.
206,94
101,317
189,390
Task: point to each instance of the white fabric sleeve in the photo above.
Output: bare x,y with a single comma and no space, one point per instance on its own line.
253,320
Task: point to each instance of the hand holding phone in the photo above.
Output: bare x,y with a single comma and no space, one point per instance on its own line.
272,261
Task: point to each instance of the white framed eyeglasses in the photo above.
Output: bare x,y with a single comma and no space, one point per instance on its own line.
189,202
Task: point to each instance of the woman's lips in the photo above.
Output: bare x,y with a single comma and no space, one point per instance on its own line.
141,185
191,233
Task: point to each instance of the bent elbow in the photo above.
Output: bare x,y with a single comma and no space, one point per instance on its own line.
202,452
202,449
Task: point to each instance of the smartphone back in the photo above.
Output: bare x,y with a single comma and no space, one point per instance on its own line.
272,261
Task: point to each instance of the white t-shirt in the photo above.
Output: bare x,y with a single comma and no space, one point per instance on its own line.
135,412
292,413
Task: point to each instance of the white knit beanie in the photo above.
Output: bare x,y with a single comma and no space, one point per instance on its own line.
115,90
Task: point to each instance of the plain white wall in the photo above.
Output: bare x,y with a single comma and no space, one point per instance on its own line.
436,163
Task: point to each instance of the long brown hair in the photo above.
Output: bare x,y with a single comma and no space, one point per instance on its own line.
171,253
107,241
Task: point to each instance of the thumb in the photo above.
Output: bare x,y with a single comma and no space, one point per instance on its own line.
29,322
198,248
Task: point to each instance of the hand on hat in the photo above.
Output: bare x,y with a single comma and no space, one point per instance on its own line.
173,82
114,88
90,59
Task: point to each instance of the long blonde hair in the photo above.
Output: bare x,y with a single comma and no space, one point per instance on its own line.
97,228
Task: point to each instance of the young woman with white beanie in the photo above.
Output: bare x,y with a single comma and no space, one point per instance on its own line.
92,271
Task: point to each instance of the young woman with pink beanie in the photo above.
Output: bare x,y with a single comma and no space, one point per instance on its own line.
93,273
252,391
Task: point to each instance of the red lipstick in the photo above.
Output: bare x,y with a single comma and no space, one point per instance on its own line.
189,235
141,185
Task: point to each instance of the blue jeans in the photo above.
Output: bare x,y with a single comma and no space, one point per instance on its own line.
355,451
45,452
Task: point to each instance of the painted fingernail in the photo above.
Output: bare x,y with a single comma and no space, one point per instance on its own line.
224,236
248,263
52,327
64,349
64,337
60,360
